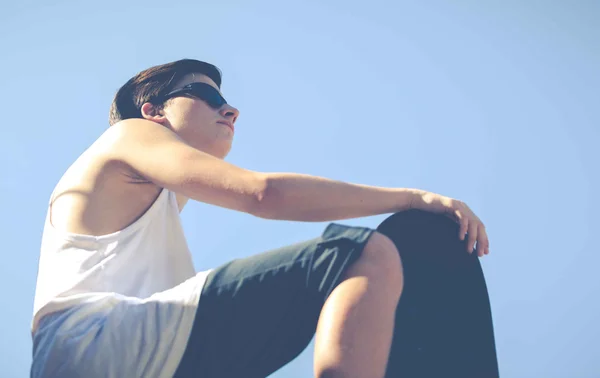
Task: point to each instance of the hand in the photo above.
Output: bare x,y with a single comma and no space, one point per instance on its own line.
458,211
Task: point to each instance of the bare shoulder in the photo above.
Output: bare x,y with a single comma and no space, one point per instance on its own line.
126,141
128,134
134,144
158,155
100,193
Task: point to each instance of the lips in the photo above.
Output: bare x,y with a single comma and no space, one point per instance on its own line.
227,124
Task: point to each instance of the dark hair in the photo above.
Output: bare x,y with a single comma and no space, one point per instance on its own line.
154,82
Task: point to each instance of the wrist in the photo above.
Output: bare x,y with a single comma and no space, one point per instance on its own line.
409,198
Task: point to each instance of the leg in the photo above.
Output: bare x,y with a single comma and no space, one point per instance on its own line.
356,324
256,314
443,321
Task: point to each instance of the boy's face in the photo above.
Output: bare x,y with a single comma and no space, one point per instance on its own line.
198,124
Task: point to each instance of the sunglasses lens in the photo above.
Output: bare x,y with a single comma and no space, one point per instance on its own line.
203,91
208,94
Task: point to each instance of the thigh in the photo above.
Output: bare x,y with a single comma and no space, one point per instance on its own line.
258,313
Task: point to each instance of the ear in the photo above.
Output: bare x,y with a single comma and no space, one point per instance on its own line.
152,113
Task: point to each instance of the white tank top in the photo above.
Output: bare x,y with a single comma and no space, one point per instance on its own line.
149,256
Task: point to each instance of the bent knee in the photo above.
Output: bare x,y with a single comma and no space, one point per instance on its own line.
381,254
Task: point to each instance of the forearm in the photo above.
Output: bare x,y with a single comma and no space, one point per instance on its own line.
299,197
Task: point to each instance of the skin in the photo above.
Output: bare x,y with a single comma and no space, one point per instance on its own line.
97,196
196,122
181,147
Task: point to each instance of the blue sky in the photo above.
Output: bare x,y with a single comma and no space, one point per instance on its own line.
492,102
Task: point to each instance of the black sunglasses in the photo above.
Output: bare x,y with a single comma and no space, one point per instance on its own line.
203,91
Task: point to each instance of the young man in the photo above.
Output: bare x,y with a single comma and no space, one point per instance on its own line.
117,294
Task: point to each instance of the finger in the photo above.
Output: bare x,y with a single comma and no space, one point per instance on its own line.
472,236
483,240
479,247
464,225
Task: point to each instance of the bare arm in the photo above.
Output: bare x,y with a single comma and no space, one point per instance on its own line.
160,156
298,197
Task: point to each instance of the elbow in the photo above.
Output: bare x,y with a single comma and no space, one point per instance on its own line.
263,205
274,201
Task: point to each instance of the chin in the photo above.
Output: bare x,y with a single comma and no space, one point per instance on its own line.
219,149
221,152
224,154
226,148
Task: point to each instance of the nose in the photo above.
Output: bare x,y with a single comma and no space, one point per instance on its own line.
229,112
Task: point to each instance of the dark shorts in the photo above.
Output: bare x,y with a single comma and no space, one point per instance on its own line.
258,313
